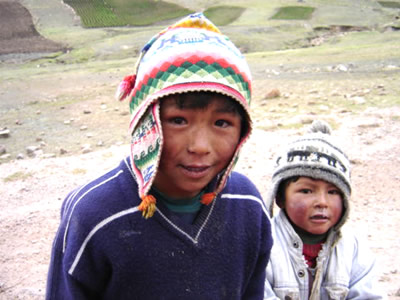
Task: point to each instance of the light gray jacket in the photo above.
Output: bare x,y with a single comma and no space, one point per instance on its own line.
345,267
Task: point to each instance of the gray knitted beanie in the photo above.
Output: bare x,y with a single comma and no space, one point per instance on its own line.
315,155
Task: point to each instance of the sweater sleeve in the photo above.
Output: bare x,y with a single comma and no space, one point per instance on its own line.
60,284
255,287
79,267
62,281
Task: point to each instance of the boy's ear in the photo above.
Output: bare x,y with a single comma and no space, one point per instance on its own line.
280,202
280,195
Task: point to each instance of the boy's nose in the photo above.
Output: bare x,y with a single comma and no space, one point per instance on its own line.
199,142
322,200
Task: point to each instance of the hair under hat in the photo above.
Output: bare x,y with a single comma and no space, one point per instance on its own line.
190,56
316,155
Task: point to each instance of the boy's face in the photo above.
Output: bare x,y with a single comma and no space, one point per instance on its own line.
313,205
198,144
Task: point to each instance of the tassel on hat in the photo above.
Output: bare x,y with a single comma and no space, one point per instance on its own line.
206,199
148,206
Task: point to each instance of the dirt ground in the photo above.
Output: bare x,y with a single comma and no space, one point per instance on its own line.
32,189
18,33
29,207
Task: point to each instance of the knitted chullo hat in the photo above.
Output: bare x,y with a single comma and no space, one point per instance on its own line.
190,56
316,155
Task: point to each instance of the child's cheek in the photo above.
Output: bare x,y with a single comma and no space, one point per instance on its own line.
296,209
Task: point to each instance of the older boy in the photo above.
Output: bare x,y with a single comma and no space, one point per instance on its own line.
171,221
313,257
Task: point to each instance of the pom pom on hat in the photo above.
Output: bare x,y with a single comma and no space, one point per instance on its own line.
320,126
125,87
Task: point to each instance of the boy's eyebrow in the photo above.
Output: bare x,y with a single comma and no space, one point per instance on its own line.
226,109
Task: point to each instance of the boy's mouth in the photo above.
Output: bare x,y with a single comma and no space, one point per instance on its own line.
195,171
319,217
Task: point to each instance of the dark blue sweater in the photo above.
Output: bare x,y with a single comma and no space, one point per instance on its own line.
105,249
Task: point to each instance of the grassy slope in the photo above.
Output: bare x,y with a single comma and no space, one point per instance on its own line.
101,57
253,30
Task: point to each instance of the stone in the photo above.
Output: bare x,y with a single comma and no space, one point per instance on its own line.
274,93
342,68
5,133
359,100
86,148
30,150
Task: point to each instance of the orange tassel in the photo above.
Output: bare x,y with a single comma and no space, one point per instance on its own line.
148,206
208,198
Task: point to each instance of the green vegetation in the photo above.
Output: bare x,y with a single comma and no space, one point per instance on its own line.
17,176
223,15
294,13
99,13
78,171
389,4
146,12
95,13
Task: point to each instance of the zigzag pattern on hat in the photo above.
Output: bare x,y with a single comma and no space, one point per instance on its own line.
145,149
193,69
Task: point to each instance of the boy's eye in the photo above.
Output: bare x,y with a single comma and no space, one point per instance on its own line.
222,123
305,191
334,192
177,120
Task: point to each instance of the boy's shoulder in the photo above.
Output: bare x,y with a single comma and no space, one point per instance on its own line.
239,181
108,192
353,239
244,193
101,201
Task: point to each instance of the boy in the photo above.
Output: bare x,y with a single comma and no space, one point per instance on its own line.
171,221
313,256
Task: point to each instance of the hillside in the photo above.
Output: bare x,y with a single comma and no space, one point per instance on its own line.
64,126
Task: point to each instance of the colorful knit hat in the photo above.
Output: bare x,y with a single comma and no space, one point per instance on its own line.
189,56
314,155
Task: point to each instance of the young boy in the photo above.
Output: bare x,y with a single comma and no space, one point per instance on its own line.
171,221
313,257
